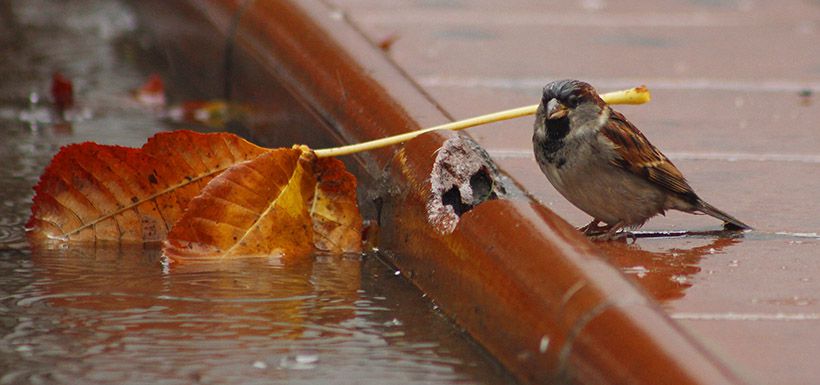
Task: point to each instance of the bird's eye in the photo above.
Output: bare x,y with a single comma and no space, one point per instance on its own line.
572,100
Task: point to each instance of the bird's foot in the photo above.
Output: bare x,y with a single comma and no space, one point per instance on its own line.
592,228
610,233
621,236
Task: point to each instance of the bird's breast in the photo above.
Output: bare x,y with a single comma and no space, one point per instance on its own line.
582,173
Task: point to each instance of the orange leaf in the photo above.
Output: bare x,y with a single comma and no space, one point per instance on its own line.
269,206
93,192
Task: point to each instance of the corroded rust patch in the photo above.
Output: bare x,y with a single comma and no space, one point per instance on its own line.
463,176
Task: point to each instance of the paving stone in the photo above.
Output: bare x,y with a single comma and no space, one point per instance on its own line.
734,105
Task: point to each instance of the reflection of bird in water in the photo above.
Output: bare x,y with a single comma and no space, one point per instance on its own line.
665,274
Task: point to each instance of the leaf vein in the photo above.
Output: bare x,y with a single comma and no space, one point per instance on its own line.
270,207
151,197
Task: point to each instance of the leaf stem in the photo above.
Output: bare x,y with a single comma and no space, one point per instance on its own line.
637,95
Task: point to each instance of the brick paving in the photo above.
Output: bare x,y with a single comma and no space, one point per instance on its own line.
735,106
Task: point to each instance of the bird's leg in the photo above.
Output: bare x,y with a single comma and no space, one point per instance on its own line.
591,227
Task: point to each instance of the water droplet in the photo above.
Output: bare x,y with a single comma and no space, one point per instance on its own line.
337,14
544,344
393,322
679,279
260,365
397,272
524,356
640,271
299,362
307,358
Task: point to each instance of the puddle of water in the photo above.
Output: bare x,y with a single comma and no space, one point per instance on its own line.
118,315
664,272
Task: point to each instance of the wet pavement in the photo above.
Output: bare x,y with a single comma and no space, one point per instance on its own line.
117,316
734,105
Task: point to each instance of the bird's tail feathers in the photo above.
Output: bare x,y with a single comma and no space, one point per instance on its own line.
713,211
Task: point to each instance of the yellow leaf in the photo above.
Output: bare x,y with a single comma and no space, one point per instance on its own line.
267,207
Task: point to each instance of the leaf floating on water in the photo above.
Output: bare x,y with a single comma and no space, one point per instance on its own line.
337,223
62,92
210,113
285,202
257,207
207,195
93,192
152,92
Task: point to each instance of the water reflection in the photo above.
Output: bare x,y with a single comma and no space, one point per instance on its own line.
129,291
664,272
118,314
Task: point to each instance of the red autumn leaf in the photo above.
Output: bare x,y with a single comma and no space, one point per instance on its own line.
62,91
209,195
152,93
93,192
284,202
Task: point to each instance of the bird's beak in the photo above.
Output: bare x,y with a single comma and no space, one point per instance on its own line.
556,110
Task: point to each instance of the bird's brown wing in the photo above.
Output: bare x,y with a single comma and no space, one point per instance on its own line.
641,158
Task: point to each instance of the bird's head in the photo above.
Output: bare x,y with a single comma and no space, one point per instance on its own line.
567,104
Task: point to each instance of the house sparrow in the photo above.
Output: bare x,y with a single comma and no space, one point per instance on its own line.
605,166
